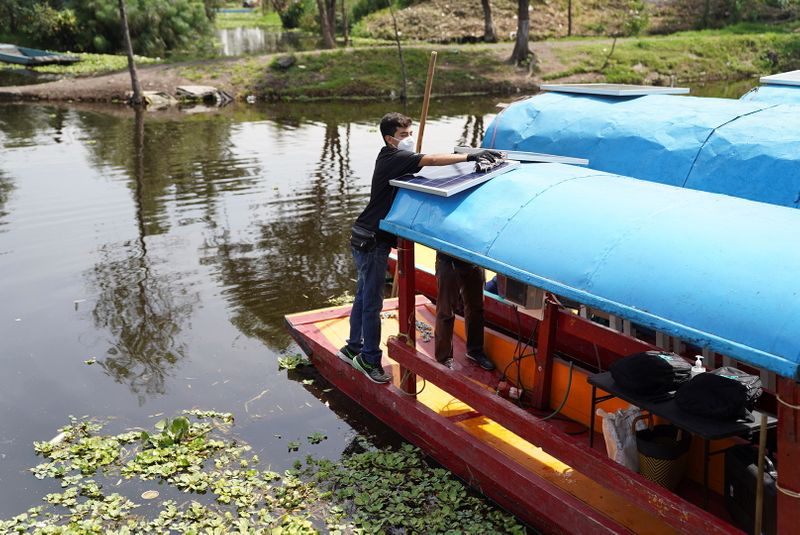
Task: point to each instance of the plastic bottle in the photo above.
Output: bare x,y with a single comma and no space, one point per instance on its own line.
698,367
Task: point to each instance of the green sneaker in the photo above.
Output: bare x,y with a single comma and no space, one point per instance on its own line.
346,355
374,373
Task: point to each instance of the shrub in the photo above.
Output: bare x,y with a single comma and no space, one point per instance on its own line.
290,17
156,26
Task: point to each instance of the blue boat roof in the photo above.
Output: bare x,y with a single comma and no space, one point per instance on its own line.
717,271
743,148
773,94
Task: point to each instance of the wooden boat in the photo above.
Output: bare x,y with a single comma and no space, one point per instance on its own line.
33,57
686,265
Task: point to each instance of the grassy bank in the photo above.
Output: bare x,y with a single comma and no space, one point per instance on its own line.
689,56
253,19
90,65
364,73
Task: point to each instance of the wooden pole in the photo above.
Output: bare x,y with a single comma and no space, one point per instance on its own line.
426,100
788,451
762,447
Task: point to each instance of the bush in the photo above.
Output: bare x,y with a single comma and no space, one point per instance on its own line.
50,28
290,18
362,8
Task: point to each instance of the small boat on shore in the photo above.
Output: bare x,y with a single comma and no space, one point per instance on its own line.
666,261
33,57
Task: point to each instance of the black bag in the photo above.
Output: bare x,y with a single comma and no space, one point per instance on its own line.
751,383
651,373
724,394
362,239
741,476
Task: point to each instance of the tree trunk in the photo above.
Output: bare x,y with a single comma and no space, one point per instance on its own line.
328,39
488,26
404,92
344,24
569,18
521,49
136,99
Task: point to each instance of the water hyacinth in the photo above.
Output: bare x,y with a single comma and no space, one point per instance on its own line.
375,491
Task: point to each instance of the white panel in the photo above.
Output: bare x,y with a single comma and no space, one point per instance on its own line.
522,156
784,78
614,90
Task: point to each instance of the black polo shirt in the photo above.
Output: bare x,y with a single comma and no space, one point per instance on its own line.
390,164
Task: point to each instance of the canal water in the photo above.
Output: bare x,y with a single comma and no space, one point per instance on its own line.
165,250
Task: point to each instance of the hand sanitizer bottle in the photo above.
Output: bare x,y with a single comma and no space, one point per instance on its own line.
698,367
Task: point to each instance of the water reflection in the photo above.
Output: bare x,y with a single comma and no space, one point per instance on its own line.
6,186
472,134
242,41
299,254
143,311
189,162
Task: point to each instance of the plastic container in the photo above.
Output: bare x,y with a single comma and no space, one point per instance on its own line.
698,367
662,453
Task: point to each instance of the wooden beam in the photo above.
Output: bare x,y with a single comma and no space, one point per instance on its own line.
407,307
641,492
788,455
545,345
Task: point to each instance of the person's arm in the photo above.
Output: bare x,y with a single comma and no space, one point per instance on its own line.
449,159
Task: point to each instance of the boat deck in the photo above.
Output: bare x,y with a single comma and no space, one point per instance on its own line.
477,443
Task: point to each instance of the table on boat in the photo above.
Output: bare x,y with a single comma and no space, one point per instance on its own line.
706,428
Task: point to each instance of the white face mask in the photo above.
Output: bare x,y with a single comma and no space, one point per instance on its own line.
407,143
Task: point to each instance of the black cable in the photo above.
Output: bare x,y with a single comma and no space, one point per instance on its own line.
566,395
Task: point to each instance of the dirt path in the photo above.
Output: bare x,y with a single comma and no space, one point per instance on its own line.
116,86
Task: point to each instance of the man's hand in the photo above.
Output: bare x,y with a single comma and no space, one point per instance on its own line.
487,154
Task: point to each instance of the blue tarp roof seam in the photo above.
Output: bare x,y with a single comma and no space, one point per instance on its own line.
532,199
714,131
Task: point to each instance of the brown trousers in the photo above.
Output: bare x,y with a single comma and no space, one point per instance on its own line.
456,278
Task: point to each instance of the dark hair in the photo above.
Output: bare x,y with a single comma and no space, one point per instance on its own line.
391,122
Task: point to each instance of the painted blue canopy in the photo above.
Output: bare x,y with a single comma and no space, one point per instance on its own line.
740,148
718,271
773,94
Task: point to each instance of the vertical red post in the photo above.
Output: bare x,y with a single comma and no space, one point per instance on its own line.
406,313
788,454
544,355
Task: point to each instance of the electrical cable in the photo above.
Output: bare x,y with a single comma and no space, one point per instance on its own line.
566,396
418,392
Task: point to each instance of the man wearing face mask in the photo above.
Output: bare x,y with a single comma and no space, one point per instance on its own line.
371,246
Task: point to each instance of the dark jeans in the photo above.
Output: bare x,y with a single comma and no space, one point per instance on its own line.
365,319
455,278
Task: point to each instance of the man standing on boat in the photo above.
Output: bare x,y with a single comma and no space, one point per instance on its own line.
371,245
456,278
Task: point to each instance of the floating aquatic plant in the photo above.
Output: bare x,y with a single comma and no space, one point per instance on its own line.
292,362
375,491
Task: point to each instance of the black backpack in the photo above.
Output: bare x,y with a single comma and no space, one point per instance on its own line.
725,394
651,373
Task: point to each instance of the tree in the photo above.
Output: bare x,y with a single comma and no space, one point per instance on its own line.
522,51
327,22
136,99
488,26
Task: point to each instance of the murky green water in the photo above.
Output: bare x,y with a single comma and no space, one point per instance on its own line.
168,247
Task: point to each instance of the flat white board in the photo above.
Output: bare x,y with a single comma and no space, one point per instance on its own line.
614,90
784,78
447,180
522,156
